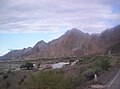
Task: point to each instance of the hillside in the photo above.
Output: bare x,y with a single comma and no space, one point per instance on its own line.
111,39
73,43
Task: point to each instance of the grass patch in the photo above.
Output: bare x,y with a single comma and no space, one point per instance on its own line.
48,80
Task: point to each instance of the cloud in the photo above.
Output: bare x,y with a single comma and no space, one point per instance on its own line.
28,16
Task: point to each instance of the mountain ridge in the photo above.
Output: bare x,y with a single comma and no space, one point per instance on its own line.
72,43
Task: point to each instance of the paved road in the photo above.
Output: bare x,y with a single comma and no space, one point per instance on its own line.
115,83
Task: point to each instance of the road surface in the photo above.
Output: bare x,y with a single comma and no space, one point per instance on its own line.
115,83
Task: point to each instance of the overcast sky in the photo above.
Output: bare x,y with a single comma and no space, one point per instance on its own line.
24,22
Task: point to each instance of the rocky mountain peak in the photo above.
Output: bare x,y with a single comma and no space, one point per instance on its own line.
40,44
111,36
73,43
74,31
29,48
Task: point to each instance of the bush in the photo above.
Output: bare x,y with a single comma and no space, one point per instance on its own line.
5,76
21,81
1,73
89,74
104,64
6,84
77,80
13,73
8,71
24,76
97,70
48,80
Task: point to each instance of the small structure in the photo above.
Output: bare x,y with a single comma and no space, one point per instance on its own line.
95,77
27,66
74,62
45,66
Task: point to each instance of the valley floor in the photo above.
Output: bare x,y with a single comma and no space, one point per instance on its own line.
15,79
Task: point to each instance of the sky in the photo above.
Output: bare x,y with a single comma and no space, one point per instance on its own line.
25,22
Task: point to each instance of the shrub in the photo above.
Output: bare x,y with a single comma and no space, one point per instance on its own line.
1,73
97,70
24,76
13,73
21,81
6,84
8,71
104,64
5,76
48,80
89,74
77,80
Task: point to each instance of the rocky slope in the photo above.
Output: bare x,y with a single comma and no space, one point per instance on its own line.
71,44
111,39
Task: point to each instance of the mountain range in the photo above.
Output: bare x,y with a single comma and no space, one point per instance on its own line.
73,43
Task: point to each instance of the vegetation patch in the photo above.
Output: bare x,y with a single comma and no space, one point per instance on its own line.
78,80
48,80
1,73
6,84
104,64
5,76
89,74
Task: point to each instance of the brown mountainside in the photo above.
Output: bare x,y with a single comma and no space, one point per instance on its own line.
73,43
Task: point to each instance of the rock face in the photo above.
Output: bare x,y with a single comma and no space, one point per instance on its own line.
73,43
115,48
111,39
111,36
